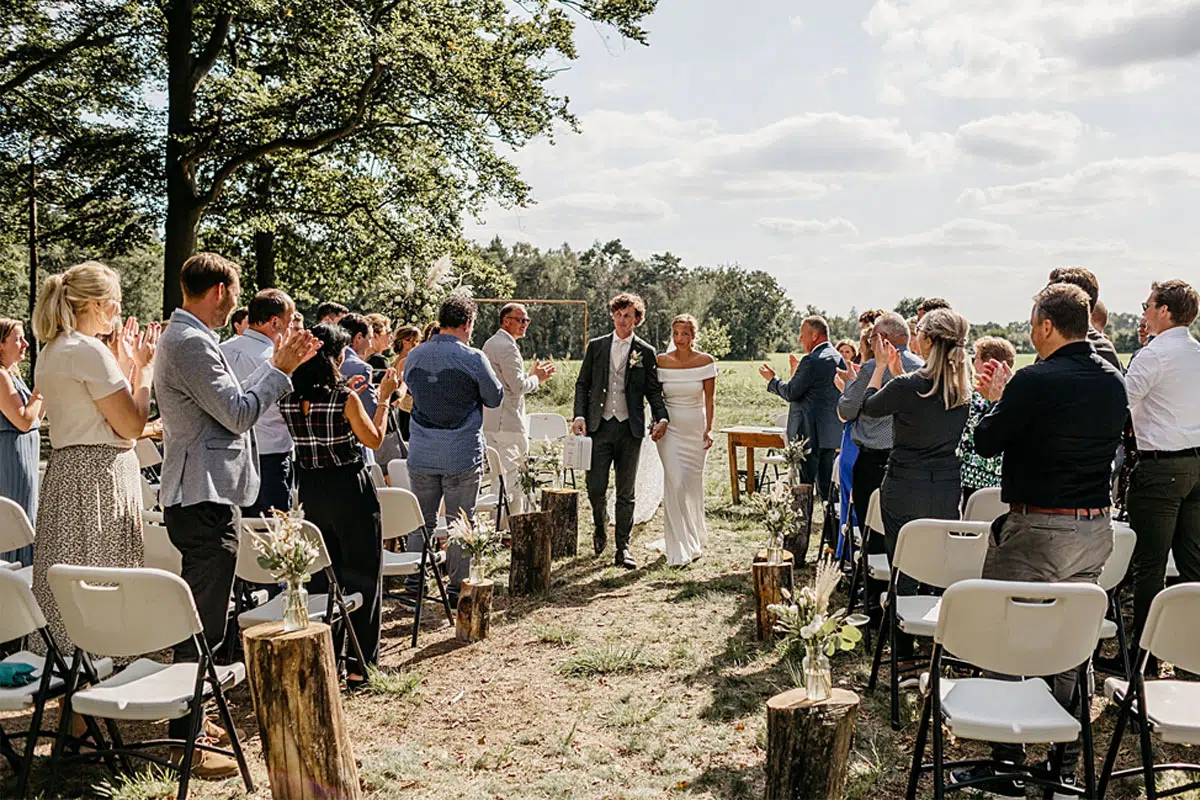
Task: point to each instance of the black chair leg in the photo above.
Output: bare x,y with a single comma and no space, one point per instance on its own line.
879,650
195,717
1144,735
1122,638
420,593
894,678
914,774
1110,760
64,721
939,779
227,721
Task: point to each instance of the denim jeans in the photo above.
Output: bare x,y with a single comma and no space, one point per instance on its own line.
459,490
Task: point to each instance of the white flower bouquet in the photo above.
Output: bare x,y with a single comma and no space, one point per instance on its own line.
479,539
283,549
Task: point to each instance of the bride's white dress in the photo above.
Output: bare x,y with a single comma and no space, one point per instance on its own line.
682,454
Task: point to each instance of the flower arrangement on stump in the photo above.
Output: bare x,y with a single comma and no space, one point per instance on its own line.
779,516
288,554
795,453
808,627
479,539
544,457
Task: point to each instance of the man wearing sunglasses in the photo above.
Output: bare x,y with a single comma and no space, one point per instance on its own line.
504,427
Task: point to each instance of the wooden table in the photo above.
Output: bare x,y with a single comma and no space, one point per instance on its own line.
749,437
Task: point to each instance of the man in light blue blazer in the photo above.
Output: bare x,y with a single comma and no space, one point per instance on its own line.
210,455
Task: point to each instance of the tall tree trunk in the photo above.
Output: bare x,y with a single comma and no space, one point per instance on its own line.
33,249
264,259
183,206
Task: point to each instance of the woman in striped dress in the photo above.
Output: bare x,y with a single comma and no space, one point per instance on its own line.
90,510
20,441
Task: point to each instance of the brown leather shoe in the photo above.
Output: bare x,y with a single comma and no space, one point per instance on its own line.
208,766
217,733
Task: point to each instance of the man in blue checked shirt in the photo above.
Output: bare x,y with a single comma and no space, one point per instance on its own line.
450,383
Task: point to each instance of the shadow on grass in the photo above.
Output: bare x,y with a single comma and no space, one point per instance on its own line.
731,783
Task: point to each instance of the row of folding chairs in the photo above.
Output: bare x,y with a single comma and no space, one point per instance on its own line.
113,614
1003,627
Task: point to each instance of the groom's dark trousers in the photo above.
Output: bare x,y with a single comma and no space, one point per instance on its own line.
613,444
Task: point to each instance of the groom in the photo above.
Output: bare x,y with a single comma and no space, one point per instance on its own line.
619,375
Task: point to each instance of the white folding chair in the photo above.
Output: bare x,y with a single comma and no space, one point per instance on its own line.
332,607
937,553
543,426
16,531
123,613
398,474
147,454
492,495
873,566
1166,709
21,617
1011,628
376,473
773,458
1111,576
159,552
985,505
401,515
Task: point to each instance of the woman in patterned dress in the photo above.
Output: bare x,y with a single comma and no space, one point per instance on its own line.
979,472
90,510
20,442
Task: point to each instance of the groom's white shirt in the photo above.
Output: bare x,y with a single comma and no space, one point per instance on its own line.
615,406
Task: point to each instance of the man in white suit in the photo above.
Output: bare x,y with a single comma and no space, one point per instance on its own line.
504,427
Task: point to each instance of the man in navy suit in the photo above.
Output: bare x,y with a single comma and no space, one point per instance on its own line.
812,401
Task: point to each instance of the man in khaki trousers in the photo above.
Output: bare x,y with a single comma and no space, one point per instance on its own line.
504,427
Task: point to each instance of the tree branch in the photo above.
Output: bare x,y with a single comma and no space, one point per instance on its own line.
298,143
208,55
56,57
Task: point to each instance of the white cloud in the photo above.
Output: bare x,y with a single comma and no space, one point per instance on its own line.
957,236
836,72
781,226
1021,139
1121,183
589,209
796,21
612,84
1032,48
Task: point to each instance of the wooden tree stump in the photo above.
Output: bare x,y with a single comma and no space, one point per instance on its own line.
532,538
808,745
474,611
803,496
293,682
769,582
563,505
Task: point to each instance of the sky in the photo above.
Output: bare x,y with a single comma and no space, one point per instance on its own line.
866,151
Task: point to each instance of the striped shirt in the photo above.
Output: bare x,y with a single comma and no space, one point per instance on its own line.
323,436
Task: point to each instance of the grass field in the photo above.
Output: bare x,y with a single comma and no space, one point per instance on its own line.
616,685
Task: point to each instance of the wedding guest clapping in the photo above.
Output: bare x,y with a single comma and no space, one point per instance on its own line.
21,412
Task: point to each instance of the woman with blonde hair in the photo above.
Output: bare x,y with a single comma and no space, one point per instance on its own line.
90,510
929,409
688,380
21,413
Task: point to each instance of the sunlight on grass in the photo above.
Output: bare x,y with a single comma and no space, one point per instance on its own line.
153,783
631,711
392,684
560,635
609,660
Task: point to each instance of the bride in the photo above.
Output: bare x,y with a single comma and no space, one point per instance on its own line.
688,379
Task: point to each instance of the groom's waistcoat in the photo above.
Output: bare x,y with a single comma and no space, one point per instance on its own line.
641,385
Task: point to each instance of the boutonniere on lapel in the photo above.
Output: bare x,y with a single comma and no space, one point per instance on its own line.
635,359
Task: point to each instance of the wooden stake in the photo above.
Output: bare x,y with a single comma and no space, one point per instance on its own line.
769,582
808,745
474,611
531,547
563,505
293,682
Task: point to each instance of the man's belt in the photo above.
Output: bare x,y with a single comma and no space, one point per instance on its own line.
1077,513
1156,455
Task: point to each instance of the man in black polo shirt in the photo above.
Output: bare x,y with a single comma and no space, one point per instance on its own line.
1057,423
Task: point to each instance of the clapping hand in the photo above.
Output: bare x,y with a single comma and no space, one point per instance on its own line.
294,349
844,376
992,379
357,383
793,362
895,363
766,372
543,370
389,383
145,344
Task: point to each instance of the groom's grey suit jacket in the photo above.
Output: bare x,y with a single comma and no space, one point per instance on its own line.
209,450
641,385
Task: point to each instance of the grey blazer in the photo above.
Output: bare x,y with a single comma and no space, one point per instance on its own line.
209,450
